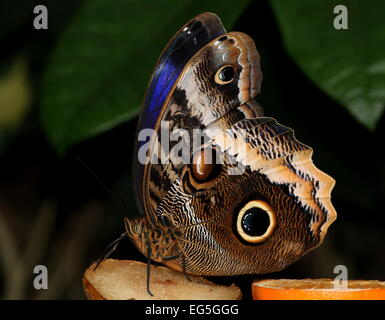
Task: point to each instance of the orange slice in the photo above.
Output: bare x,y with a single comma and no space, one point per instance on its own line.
317,289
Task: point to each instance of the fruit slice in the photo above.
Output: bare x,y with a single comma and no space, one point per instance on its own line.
317,289
126,279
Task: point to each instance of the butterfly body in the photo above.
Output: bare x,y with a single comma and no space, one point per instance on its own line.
259,204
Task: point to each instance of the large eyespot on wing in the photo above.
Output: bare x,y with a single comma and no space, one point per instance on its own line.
255,222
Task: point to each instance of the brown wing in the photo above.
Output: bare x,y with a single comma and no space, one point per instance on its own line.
271,149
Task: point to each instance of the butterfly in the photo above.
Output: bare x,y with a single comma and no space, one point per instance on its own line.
246,198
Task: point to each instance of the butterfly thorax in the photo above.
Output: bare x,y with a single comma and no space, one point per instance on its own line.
154,241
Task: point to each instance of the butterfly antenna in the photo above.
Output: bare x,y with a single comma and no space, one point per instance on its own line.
113,195
113,245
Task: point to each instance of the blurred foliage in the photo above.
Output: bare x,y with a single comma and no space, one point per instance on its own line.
349,65
100,68
15,94
15,98
99,71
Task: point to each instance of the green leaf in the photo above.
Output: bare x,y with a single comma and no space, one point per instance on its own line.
348,65
98,73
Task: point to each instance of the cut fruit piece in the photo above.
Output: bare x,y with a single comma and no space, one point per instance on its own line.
126,279
317,289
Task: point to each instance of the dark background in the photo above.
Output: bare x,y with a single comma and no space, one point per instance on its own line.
56,213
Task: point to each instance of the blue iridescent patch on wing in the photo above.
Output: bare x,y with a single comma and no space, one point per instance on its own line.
159,88
175,56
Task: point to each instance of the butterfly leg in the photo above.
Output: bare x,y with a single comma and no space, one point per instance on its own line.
148,265
110,249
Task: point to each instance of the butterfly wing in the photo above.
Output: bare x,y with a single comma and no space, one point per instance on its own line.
184,44
198,99
279,174
279,178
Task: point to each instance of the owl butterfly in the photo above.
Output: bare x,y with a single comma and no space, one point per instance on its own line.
198,216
